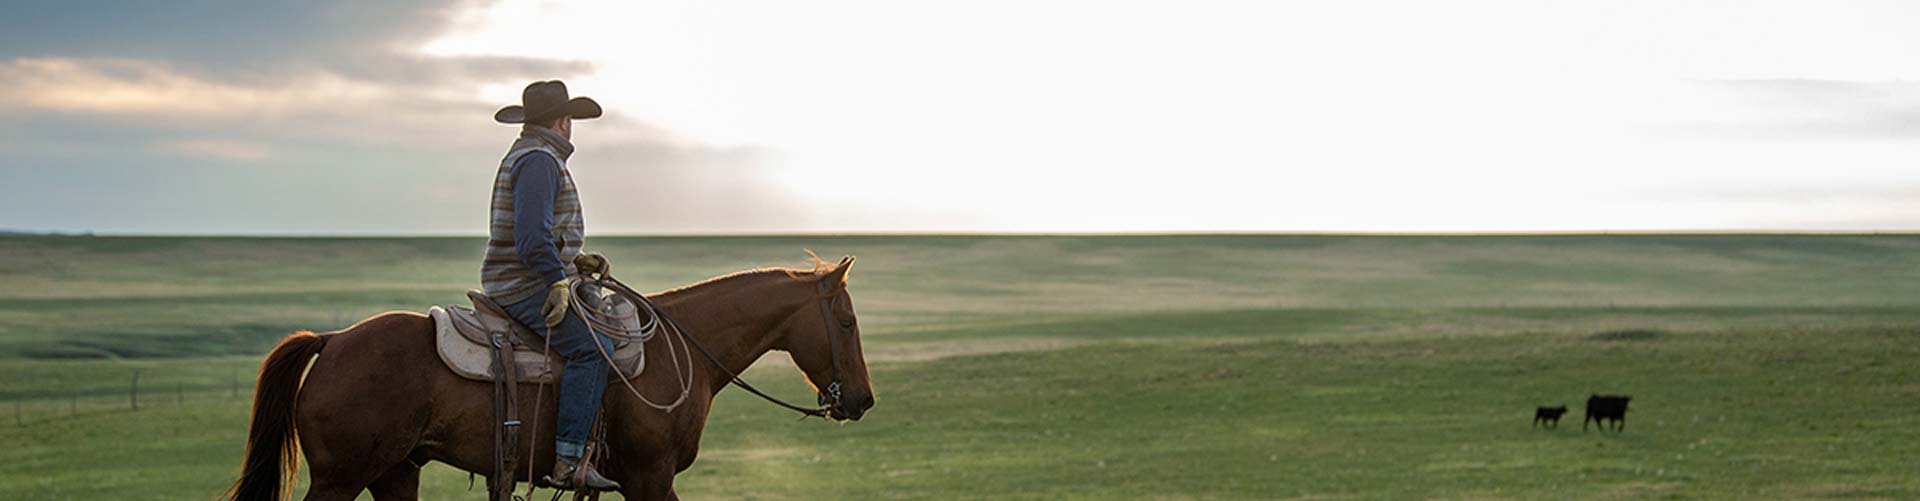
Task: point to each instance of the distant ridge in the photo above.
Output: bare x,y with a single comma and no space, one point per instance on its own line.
14,232
9,232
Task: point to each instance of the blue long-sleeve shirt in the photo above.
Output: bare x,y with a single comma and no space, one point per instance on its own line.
535,187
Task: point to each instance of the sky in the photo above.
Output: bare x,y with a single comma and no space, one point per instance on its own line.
374,118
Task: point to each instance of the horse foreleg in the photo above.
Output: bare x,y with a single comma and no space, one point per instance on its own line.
399,483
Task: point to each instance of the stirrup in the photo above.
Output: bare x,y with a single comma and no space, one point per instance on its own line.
577,479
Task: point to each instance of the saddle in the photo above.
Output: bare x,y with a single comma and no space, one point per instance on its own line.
484,343
464,336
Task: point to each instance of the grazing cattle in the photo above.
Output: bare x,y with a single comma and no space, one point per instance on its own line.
1548,415
1605,407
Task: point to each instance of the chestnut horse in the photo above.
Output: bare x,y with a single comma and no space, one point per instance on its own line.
377,402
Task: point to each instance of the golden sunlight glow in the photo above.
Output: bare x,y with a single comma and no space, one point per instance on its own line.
1172,116
1509,115
139,87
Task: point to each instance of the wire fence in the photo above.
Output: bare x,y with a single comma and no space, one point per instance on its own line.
144,390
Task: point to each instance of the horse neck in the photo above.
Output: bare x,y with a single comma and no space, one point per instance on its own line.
737,318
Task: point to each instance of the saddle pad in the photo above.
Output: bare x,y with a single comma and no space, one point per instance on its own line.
473,360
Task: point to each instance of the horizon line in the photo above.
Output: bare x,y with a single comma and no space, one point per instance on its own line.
7,233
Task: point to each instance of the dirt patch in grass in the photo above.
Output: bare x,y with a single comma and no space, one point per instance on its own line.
750,455
935,350
1628,335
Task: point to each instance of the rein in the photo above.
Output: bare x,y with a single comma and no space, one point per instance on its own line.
827,401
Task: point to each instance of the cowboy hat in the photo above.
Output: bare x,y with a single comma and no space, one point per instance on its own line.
546,101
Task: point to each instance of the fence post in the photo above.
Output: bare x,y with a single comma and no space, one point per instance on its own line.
133,394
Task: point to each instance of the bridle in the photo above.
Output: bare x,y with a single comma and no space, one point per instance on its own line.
830,397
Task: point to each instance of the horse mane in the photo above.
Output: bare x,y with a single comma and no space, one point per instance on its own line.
819,270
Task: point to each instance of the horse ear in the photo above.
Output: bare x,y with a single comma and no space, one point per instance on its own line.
846,264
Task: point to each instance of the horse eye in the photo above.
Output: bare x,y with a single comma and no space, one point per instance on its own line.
848,323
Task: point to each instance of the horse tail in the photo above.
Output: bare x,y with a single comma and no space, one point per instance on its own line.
273,452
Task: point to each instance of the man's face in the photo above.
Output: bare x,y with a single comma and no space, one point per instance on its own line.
564,127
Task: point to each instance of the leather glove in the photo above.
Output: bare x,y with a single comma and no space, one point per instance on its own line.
559,295
593,263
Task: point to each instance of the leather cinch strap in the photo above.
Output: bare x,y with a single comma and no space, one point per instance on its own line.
506,411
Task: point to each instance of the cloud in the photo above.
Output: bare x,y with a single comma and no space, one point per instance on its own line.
225,38
290,70
305,105
1805,110
1835,190
137,88
357,116
222,149
331,102
653,185
302,101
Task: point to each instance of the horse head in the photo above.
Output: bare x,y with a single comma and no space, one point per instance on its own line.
824,341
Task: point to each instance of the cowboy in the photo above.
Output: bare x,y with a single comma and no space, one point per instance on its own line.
533,251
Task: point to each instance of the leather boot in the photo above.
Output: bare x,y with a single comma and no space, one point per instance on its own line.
566,470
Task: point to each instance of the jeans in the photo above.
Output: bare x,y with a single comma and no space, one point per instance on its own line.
584,378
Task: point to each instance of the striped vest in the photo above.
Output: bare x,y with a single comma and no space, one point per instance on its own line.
503,276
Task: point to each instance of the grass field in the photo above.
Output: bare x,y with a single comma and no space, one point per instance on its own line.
1085,367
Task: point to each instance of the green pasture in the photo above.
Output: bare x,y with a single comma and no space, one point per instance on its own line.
1762,366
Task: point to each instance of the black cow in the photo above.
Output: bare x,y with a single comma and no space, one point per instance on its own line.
1604,407
1548,415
